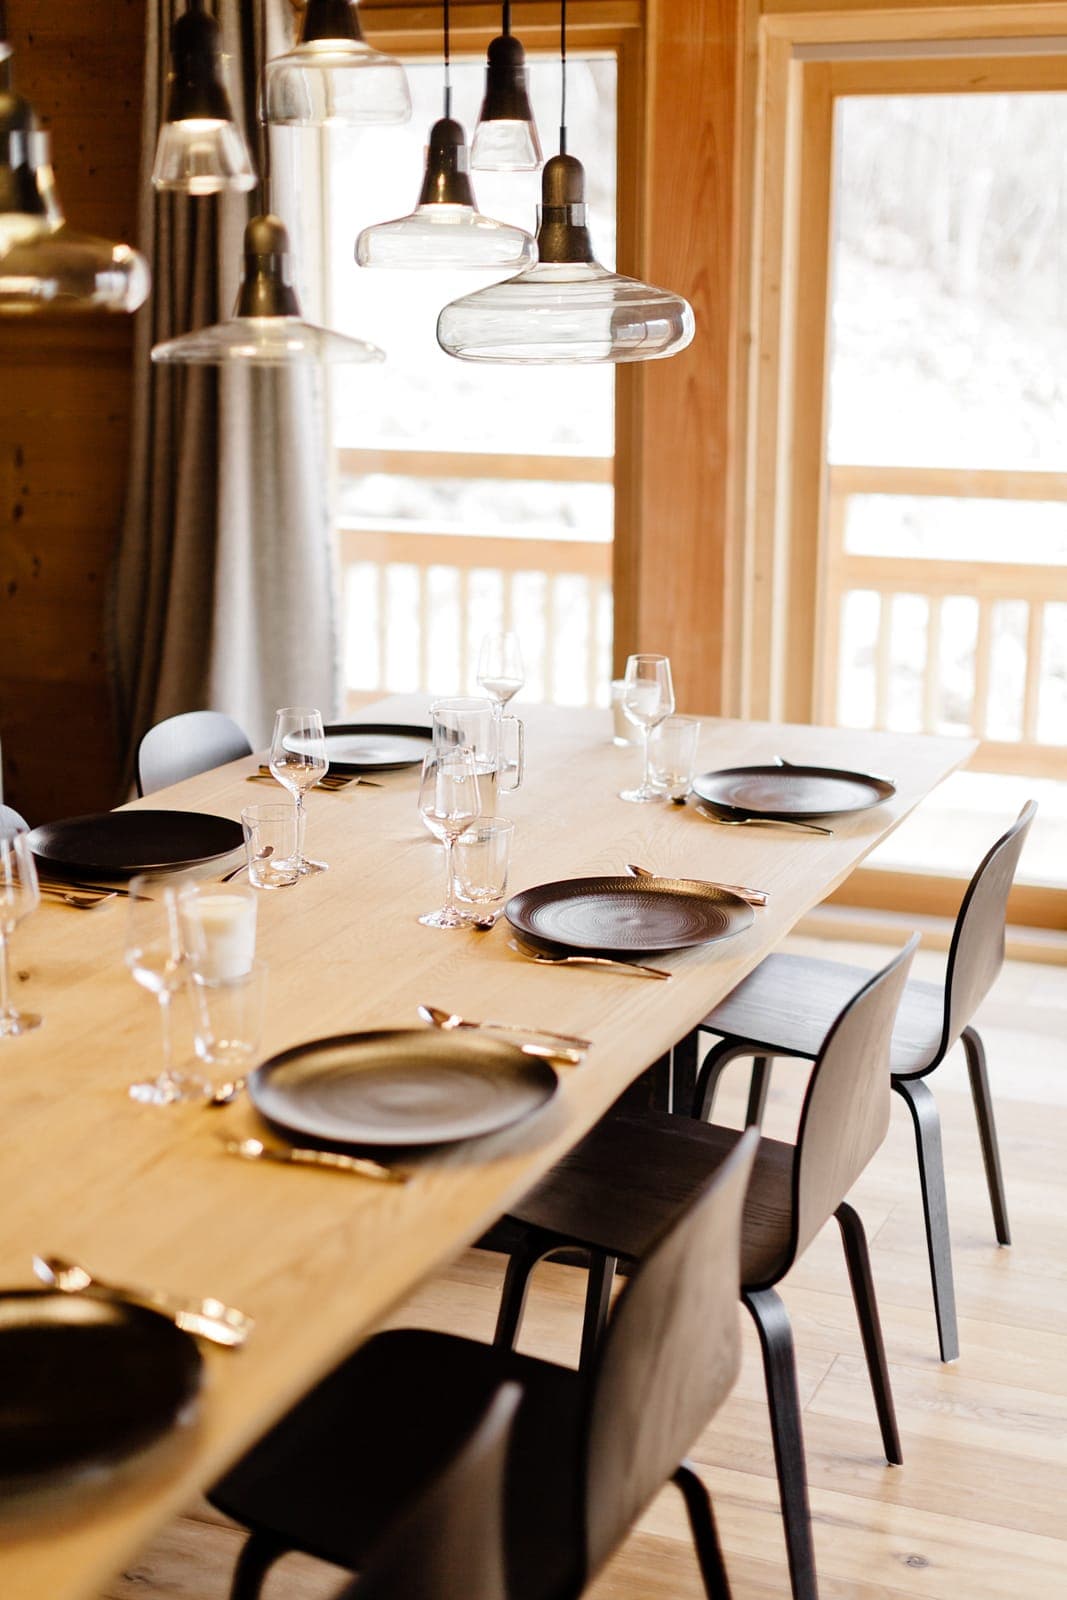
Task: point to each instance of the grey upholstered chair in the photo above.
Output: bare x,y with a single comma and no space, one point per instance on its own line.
187,744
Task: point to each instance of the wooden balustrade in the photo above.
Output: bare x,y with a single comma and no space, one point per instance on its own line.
1037,751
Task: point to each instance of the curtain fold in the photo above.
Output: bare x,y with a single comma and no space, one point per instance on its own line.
223,586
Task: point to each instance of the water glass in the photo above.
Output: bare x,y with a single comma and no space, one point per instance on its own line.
483,855
647,698
622,729
673,754
218,929
228,1025
272,840
19,895
156,958
298,760
449,801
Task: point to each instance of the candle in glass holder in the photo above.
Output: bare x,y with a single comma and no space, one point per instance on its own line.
219,932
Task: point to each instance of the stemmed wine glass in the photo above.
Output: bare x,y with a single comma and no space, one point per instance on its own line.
19,895
156,957
298,760
647,697
500,669
449,801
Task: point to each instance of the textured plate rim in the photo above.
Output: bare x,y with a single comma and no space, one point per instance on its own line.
539,1070
740,909
883,788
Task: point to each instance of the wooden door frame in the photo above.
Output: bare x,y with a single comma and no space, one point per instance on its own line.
799,57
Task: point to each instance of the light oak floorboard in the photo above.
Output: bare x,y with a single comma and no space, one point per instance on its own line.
977,1509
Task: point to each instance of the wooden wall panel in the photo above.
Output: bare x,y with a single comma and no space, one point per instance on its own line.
675,424
64,421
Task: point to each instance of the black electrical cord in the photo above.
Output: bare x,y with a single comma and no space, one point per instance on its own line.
563,77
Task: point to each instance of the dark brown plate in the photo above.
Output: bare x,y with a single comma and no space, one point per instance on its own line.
86,1381
400,1087
625,916
116,844
353,747
783,790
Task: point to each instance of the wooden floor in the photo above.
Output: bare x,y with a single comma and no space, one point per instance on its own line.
979,1510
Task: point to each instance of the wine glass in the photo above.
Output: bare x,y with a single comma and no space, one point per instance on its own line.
500,669
647,697
449,801
298,760
156,957
19,895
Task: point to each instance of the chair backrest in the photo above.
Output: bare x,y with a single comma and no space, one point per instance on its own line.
449,1545
187,744
11,822
977,951
668,1359
845,1115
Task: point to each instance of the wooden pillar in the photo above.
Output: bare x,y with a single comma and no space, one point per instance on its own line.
674,416
64,420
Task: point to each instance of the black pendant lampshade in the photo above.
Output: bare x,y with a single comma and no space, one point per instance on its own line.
201,150
505,139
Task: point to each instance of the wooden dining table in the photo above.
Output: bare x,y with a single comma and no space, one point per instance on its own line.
148,1196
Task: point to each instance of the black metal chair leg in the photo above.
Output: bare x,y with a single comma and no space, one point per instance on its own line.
521,1263
705,1534
780,1370
857,1257
684,1073
715,1062
920,1102
757,1091
258,1554
987,1131
598,1288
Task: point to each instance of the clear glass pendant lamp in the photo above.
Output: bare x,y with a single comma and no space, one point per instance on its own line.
266,329
505,139
333,77
567,308
200,150
46,266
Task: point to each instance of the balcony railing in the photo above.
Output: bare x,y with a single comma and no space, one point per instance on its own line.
964,598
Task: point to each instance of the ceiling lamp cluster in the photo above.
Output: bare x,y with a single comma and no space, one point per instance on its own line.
46,266
567,308
446,229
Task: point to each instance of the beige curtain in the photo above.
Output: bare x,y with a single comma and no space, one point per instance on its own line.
223,591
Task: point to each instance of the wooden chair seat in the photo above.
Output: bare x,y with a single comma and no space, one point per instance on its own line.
788,1004
366,1441
666,1160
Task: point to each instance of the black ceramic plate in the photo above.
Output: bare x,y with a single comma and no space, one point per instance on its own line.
373,746
400,1087
627,915
116,844
785,790
86,1381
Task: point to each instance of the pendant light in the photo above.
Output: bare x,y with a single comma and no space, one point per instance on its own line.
266,329
44,265
445,229
567,308
201,150
505,139
333,76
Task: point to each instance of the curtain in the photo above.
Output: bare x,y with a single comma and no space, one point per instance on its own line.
223,589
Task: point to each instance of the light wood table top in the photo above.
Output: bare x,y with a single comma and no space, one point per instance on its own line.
146,1195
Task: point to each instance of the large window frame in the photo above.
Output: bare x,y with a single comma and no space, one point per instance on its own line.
799,62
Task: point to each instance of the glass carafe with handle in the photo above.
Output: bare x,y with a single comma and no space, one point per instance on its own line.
498,743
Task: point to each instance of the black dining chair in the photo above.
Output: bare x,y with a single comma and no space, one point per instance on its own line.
786,1006
616,1192
182,746
449,1544
589,1450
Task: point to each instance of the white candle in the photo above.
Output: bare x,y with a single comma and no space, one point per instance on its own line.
219,931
